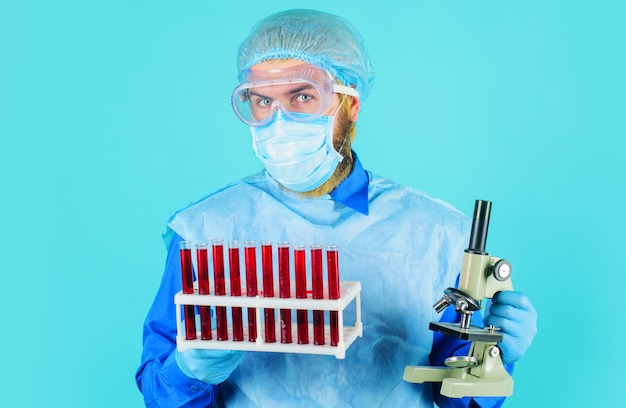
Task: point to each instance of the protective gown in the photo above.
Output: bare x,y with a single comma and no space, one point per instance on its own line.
403,246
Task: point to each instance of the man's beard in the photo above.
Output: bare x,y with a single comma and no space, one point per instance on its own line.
343,136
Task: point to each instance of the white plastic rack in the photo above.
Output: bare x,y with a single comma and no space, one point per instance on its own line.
349,292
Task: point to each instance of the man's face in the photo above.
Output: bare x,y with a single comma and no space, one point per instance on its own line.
301,97
293,87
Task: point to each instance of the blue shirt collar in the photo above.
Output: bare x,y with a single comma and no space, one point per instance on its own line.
352,192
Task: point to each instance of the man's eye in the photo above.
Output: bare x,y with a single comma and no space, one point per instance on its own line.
264,102
304,98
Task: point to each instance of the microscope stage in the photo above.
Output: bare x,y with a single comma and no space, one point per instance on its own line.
472,334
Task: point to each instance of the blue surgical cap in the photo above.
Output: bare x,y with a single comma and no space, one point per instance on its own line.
317,38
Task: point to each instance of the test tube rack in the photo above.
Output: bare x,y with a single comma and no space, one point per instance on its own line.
349,291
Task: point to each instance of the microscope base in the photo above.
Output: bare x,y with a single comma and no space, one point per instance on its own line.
487,379
476,387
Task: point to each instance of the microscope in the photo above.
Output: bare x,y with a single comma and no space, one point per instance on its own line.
481,373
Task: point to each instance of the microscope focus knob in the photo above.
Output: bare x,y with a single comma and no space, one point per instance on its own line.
502,270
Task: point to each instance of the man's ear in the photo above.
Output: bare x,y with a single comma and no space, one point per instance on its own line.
355,107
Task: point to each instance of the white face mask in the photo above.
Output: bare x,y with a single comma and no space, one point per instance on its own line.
299,155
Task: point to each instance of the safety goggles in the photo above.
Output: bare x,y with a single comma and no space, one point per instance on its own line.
303,92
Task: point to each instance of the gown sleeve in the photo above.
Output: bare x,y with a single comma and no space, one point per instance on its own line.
159,378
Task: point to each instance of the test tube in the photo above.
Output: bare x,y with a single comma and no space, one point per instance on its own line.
284,285
220,287
249,252
317,280
187,276
235,288
332,258
204,289
268,290
299,259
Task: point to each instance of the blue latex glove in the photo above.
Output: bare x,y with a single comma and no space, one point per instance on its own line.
209,366
515,315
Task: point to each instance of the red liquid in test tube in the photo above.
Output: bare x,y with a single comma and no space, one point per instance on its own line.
332,257
187,276
235,288
284,285
204,289
249,252
220,288
318,293
268,291
299,259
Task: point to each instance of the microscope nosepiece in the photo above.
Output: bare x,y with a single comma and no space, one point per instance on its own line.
444,302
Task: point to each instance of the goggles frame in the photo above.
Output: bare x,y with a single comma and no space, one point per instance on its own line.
309,75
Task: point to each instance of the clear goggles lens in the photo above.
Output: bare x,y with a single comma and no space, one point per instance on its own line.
303,93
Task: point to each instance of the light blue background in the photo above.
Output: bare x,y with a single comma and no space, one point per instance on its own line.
113,114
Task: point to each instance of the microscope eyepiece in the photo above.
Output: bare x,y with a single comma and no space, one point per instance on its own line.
480,226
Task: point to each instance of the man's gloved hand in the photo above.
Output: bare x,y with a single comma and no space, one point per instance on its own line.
209,366
515,315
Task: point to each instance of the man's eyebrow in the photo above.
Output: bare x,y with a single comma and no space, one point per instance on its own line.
254,93
304,87
292,91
